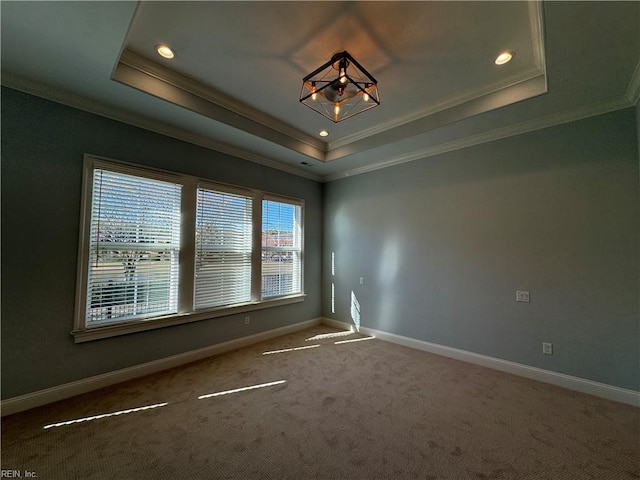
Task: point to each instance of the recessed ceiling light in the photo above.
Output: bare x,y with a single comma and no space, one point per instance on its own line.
504,57
164,51
324,133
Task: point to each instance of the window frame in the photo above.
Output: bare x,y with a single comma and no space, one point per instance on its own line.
122,195
297,204
240,193
186,290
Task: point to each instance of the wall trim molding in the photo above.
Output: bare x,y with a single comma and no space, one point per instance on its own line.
477,94
85,385
569,382
73,100
155,79
78,387
527,126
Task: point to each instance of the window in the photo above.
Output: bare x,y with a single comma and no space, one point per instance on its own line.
281,248
133,248
158,248
223,249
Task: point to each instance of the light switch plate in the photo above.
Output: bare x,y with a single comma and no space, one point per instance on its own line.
522,296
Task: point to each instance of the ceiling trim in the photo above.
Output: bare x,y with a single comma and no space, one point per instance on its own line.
490,136
149,77
450,103
98,108
536,24
538,70
497,99
152,78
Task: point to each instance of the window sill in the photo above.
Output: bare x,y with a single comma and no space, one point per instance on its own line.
97,333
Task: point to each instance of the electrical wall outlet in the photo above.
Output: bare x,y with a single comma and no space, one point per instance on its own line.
547,348
247,319
522,296
361,280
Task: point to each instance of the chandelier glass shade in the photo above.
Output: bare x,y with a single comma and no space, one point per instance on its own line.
339,89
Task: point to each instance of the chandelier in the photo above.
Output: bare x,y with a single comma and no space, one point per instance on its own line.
339,89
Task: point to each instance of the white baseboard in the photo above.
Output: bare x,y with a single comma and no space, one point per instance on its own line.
53,394
67,390
570,382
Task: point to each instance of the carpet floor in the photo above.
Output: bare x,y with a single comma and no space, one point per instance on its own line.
322,404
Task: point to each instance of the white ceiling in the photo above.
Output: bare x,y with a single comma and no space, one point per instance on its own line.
235,82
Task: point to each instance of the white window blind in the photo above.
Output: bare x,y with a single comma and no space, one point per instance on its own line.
133,248
223,249
281,248
158,248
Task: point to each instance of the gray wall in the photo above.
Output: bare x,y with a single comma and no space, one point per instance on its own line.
42,149
444,243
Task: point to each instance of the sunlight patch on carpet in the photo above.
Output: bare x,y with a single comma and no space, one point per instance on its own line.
243,389
354,340
290,349
322,336
104,415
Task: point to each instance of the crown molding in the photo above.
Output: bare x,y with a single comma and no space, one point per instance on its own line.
490,136
138,72
216,97
156,79
477,106
143,74
433,109
536,24
98,108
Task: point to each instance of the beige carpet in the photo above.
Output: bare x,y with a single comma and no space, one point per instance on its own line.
364,409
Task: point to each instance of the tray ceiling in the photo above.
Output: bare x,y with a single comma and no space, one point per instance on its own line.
235,80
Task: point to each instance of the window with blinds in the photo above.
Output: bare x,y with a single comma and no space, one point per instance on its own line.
223,249
134,244
281,248
158,248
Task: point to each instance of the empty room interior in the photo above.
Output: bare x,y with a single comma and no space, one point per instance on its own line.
333,240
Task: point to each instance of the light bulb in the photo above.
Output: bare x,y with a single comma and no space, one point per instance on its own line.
366,97
336,109
504,57
343,74
164,51
314,95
